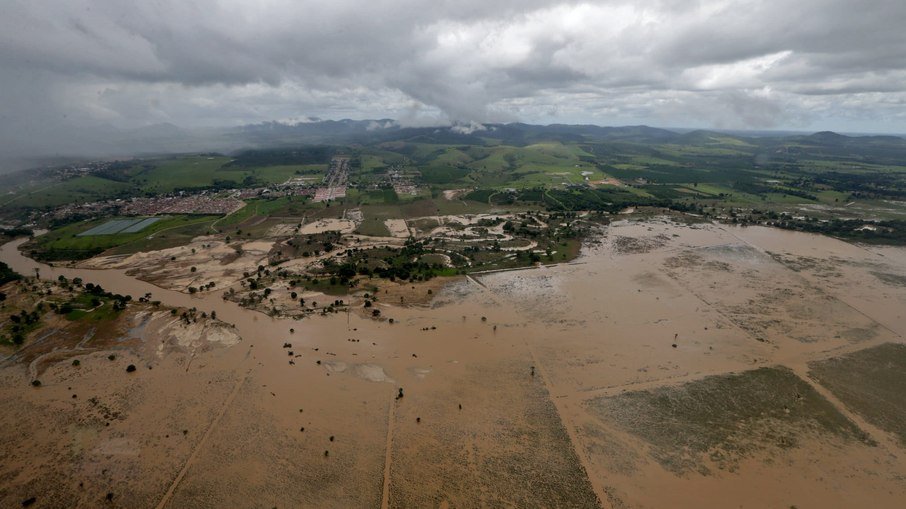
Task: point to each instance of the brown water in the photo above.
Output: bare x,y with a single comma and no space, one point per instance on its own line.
475,427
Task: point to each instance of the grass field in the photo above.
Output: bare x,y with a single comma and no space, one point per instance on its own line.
65,243
82,189
156,176
189,172
374,227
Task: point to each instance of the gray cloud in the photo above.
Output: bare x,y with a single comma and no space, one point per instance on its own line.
88,64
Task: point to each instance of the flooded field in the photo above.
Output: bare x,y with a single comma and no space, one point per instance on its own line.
671,365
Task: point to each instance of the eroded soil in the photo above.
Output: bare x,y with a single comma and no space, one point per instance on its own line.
695,366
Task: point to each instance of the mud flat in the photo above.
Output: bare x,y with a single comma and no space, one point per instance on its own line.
96,429
505,446
694,365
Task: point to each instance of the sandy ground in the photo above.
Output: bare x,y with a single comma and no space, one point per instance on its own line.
283,230
608,182
668,370
452,194
214,261
397,228
326,225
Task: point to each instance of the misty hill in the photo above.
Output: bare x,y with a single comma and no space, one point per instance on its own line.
104,141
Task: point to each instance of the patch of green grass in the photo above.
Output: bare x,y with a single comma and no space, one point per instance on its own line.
259,208
439,174
82,189
65,243
325,286
642,161
282,173
374,227
103,312
178,235
188,172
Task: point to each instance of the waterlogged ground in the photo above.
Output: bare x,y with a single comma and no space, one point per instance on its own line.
670,366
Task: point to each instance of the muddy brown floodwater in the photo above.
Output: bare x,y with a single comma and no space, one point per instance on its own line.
672,365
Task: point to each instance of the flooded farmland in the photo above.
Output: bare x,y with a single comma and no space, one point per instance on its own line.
671,365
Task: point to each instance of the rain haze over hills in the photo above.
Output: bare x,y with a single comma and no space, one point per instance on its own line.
106,78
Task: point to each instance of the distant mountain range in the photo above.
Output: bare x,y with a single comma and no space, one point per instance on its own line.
105,142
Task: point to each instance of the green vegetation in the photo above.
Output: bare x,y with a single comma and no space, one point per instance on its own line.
19,325
823,183
391,263
889,232
30,301
152,177
373,226
94,305
7,274
65,243
47,195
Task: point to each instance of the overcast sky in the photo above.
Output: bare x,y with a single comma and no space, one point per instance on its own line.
803,65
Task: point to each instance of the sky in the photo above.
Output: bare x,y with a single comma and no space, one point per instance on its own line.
77,65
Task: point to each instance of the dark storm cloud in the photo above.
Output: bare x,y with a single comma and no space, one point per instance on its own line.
87,64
